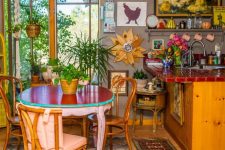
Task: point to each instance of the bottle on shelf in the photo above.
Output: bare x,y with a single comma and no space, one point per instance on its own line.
197,21
189,22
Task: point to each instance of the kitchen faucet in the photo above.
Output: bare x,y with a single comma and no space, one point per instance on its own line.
190,51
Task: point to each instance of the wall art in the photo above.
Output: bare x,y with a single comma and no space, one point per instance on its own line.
127,47
157,44
176,106
113,75
131,13
185,7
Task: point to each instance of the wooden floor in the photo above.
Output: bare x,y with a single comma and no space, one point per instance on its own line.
141,131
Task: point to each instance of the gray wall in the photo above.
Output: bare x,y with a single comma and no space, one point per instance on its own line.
146,44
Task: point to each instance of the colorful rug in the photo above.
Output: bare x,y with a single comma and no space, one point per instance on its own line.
153,144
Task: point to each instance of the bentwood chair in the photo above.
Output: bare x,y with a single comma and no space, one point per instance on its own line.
42,129
11,86
116,121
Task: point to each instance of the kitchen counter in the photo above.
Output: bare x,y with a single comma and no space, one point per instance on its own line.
194,114
184,75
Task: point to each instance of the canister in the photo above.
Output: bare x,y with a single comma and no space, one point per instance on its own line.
210,60
215,60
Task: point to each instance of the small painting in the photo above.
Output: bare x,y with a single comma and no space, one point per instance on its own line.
131,13
185,7
177,103
157,44
219,16
113,75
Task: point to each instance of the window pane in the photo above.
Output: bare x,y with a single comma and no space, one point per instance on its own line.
94,21
79,14
76,1
40,43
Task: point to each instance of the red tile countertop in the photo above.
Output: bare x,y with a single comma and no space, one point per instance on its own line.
185,75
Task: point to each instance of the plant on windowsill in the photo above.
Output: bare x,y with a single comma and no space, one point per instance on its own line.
35,72
141,78
69,77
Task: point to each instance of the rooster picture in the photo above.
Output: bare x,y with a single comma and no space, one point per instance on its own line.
132,15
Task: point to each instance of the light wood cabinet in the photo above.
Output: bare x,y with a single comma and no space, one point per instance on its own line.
2,72
203,111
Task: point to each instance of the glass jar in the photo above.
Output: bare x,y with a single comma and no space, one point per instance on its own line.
189,22
197,21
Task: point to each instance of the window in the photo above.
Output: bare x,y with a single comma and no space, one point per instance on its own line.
76,18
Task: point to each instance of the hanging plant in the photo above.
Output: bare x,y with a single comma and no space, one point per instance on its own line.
33,30
127,47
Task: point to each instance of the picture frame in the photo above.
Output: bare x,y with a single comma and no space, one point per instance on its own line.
131,13
176,105
219,11
178,9
157,44
115,73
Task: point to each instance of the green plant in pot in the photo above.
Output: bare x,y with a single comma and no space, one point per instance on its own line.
33,28
35,72
89,55
69,77
141,78
16,30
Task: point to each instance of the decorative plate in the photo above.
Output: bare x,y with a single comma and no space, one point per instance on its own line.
152,21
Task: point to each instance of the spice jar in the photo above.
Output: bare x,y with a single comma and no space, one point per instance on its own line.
182,25
210,59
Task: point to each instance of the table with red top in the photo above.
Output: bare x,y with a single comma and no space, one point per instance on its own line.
87,100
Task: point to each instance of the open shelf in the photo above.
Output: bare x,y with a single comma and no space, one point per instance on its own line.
184,30
167,32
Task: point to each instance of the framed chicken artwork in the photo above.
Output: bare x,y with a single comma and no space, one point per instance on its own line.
131,13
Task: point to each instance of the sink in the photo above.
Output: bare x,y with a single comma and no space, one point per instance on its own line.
207,67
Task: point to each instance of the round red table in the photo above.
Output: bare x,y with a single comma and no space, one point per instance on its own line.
87,100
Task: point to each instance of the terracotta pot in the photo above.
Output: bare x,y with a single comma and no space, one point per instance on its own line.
33,30
69,88
35,78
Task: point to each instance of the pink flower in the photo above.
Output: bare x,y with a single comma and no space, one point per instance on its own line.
176,40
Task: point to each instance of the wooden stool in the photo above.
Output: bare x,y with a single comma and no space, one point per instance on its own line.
153,101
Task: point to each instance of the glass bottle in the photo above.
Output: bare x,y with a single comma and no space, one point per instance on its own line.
189,22
197,21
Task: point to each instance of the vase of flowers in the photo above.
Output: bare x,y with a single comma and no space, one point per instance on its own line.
178,46
166,56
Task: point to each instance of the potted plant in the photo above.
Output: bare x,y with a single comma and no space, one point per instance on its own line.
35,71
141,78
16,30
33,29
69,77
90,56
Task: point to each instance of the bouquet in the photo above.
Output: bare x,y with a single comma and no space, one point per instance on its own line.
178,45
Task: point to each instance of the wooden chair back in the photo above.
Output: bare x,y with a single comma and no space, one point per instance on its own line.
117,84
29,125
5,82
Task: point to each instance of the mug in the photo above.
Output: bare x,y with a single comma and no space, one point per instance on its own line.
198,36
186,36
210,37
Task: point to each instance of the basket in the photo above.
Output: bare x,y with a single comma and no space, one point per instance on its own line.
33,30
69,88
2,115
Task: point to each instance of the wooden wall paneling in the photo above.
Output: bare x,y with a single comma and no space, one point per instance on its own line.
181,133
208,116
